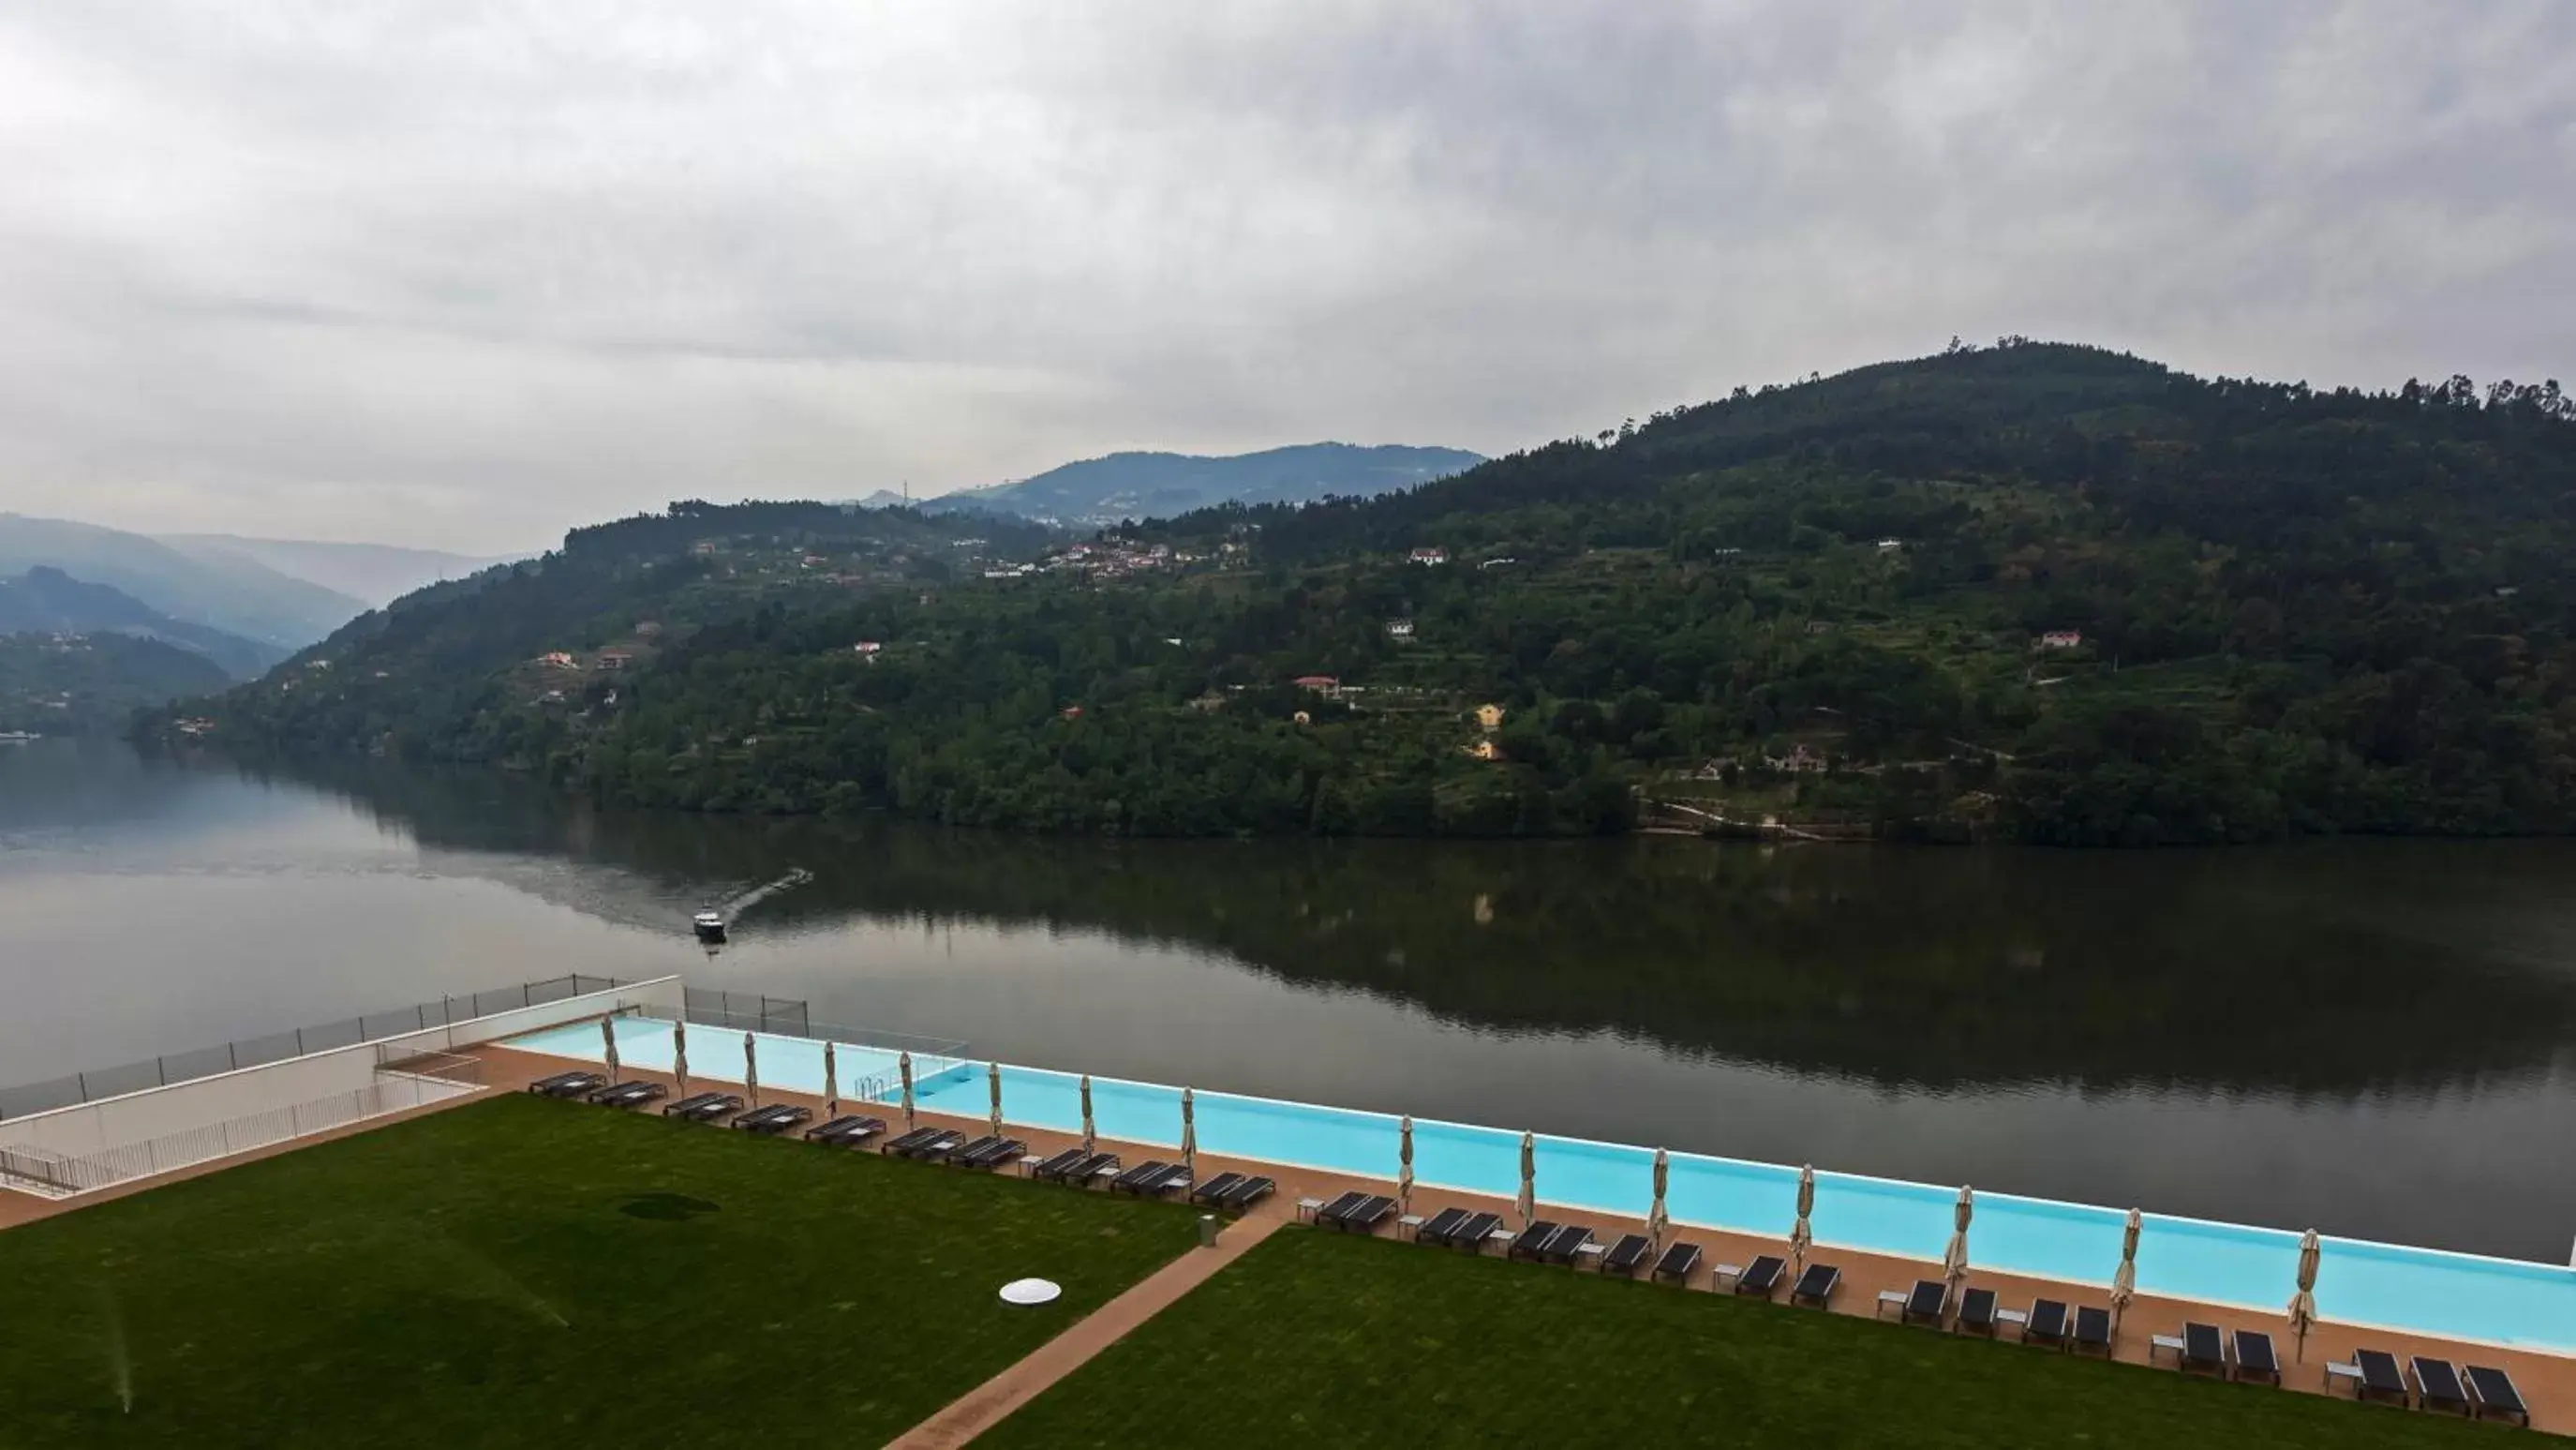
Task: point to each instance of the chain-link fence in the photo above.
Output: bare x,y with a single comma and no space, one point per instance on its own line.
84,1087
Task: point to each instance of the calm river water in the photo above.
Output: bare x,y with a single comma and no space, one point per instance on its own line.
2375,1038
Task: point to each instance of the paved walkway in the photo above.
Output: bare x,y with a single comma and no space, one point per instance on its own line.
987,1403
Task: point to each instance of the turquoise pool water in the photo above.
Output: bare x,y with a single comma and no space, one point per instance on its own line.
2456,1296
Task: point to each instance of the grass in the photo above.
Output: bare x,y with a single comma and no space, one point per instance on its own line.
1316,1339
520,1272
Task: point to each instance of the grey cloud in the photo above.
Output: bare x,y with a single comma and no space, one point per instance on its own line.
468,274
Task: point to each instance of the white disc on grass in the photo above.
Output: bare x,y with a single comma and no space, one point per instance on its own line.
1031,1291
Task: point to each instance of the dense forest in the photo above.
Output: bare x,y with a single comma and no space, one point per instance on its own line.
92,684
2033,590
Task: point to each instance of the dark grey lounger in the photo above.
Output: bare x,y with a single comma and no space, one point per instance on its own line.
1565,1243
1627,1255
2438,1387
1478,1232
629,1094
1816,1286
2093,1328
1217,1187
1364,1216
2201,1349
2047,1323
1438,1228
1245,1194
776,1118
1532,1239
568,1085
1977,1312
1148,1179
1762,1276
704,1107
2254,1356
1055,1167
926,1143
1679,1262
2379,1376
2493,1391
844,1132
1928,1302
902,1144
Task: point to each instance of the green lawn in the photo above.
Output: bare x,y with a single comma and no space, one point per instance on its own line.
1316,1339
520,1272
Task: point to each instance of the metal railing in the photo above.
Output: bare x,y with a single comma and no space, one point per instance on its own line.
393,1091
84,1087
749,1012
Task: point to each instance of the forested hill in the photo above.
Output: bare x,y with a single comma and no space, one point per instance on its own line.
2033,590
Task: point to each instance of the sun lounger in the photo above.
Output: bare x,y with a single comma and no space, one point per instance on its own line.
2254,1356
2437,1385
1363,1216
1977,1312
2093,1328
988,1153
1100,1168
1245,1194
1565,1243
1816,1286
847,1131
1627,1255
568,1085
2198,1348
2374,1375
1533,1238
1678,1263
776,1118
704,1107
1055,1167
1216,1188
1437,1228
1927,1303
1150,1180
629,1094
1762,1276
2045,1324
1477,1232
902,1144
2491,1392
926,1143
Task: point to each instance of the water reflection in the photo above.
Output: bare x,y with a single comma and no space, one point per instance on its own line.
2340,968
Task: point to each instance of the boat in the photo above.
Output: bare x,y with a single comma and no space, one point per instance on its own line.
18,737
709,925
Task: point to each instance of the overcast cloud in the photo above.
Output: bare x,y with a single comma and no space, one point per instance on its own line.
466,274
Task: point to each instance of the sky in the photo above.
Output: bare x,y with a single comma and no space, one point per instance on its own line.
463,275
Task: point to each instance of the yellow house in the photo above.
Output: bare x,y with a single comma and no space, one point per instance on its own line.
1489,717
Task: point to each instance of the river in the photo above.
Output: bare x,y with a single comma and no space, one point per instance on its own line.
2375,1038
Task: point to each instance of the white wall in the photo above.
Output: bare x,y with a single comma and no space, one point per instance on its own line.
206,1101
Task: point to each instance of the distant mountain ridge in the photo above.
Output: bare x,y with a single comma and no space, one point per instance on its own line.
372,574
47,601
1098,492
229,593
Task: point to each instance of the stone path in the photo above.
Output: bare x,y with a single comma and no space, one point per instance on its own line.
988,1402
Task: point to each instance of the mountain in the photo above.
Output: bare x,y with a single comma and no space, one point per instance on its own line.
374,574
93,683
48,601
235,595
1101,492
2038,591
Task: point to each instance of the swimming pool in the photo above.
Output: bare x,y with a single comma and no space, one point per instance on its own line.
2456,1296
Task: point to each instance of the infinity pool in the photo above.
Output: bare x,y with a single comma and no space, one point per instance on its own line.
2456,1296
